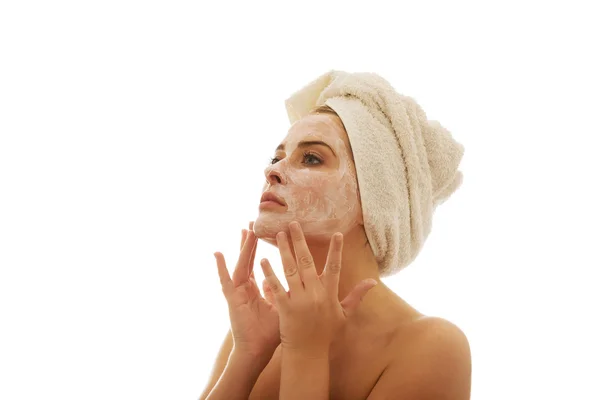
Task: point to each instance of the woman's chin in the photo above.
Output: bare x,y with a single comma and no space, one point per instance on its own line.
267,232
272,242
263,231
266,235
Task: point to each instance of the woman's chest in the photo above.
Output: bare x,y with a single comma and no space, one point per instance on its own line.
351,375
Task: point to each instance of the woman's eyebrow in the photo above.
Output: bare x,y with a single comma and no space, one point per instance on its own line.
307,143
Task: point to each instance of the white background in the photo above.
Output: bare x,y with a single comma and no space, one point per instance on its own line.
133,137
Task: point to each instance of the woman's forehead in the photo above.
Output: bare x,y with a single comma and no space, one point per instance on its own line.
323,126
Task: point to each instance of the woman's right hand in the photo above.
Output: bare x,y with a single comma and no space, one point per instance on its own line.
254,319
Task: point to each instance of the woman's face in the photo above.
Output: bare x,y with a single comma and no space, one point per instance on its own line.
313,173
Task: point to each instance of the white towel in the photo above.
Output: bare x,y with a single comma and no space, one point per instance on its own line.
406,165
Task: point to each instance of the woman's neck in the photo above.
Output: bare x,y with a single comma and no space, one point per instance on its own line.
358,261
380,304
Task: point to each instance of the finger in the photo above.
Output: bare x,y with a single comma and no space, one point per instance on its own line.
304,259
277,290
289,264
254,291
244,234
268,293
333,265
251,227
242,243
242,268
354,298
226,283
251,260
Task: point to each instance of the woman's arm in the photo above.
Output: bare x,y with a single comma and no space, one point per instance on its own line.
304,376
220,364
238,379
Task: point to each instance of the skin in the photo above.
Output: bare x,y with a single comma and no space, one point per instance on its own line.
318,183
310,313
321,192
383,349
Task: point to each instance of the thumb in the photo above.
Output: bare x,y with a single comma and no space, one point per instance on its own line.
354,298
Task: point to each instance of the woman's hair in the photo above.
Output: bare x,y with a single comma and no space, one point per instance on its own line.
324,109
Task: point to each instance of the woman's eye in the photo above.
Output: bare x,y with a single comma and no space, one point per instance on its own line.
311,159
308,158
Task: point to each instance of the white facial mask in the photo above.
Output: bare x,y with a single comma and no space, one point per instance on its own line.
324,199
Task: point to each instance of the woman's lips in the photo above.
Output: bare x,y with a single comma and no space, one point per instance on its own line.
271,197
271,200
270,204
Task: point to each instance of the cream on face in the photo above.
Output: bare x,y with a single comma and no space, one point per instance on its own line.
320,188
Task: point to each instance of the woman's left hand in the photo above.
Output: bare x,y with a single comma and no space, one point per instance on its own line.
310,314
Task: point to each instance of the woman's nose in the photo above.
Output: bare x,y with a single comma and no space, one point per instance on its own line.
274,176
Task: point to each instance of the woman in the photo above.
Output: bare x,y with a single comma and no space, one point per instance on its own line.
339,333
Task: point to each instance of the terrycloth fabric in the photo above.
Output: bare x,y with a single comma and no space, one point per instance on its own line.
406,165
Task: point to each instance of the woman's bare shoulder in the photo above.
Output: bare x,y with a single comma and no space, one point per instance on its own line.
427,341
426,328
429,355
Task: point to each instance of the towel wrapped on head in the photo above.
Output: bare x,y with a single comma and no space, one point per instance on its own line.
406,165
